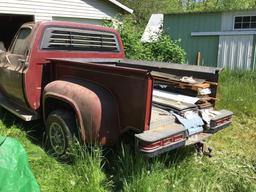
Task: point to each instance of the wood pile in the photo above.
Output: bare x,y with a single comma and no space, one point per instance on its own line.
199,88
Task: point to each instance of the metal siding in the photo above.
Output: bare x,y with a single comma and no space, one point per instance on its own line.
227,18
45,9
208,47
79,20
254,53
181,26
235,52
43,17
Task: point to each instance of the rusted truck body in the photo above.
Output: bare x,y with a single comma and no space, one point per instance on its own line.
76,78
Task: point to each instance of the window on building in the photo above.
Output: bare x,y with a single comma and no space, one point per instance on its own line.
245,22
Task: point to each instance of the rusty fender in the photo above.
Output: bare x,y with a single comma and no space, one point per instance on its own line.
96,109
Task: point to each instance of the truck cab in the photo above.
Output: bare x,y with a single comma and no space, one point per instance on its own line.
12,64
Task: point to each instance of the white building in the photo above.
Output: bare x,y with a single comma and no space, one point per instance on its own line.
13,13
92,11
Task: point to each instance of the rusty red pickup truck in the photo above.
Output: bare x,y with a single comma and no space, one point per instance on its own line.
76,78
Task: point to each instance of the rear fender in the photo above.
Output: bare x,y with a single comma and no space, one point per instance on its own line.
95,107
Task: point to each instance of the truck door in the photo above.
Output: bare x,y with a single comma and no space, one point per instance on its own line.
13,65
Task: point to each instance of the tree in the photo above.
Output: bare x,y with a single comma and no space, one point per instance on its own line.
214,5
144,8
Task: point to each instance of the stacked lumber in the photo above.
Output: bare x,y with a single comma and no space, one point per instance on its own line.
199,88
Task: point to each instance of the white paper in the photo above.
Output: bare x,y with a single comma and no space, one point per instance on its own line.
205,91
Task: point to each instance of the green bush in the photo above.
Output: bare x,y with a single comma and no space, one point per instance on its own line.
167,50
164,49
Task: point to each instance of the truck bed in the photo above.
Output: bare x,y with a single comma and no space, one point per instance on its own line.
163,70
183,98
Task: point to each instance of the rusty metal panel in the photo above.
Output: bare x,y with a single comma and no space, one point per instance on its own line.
128,86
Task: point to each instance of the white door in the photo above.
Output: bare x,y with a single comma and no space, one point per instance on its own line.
235,52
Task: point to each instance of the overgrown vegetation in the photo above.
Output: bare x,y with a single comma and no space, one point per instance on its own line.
144,8
163,49
233,167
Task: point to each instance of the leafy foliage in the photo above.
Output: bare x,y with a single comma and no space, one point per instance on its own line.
144,8
213,5
164,49
167,50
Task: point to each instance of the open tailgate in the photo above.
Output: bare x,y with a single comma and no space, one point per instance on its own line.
183,113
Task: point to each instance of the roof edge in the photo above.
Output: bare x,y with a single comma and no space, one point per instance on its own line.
121,6
209,11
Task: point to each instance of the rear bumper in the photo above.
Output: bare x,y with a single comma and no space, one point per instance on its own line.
162,149
160,140
219,127
189,141
221,121
184,142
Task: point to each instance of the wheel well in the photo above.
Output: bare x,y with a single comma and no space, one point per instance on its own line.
51,104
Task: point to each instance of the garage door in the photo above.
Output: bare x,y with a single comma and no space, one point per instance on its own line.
235,52
10,24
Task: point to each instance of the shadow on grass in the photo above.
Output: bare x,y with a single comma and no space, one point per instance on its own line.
121,165
127,168
34,129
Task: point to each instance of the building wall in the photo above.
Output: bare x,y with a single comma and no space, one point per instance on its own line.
180,27
243,48
254,53
79,20
46,9
228,19
213,35
236,52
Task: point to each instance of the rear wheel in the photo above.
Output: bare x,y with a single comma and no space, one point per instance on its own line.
60,131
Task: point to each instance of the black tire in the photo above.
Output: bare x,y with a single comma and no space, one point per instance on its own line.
60,132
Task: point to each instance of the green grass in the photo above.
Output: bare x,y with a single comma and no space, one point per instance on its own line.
233,167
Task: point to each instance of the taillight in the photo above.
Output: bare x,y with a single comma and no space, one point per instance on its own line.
161,143
151,146
222,121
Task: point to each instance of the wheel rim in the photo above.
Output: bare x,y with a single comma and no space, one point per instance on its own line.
57,138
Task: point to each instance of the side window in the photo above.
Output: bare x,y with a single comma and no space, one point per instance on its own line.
20,45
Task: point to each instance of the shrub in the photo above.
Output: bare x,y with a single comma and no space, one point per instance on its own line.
164,49
167,50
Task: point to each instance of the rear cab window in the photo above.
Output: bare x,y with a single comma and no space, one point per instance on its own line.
85,40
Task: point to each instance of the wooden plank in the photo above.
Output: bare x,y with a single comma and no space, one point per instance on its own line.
183,85
177,105
206,99
174,77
